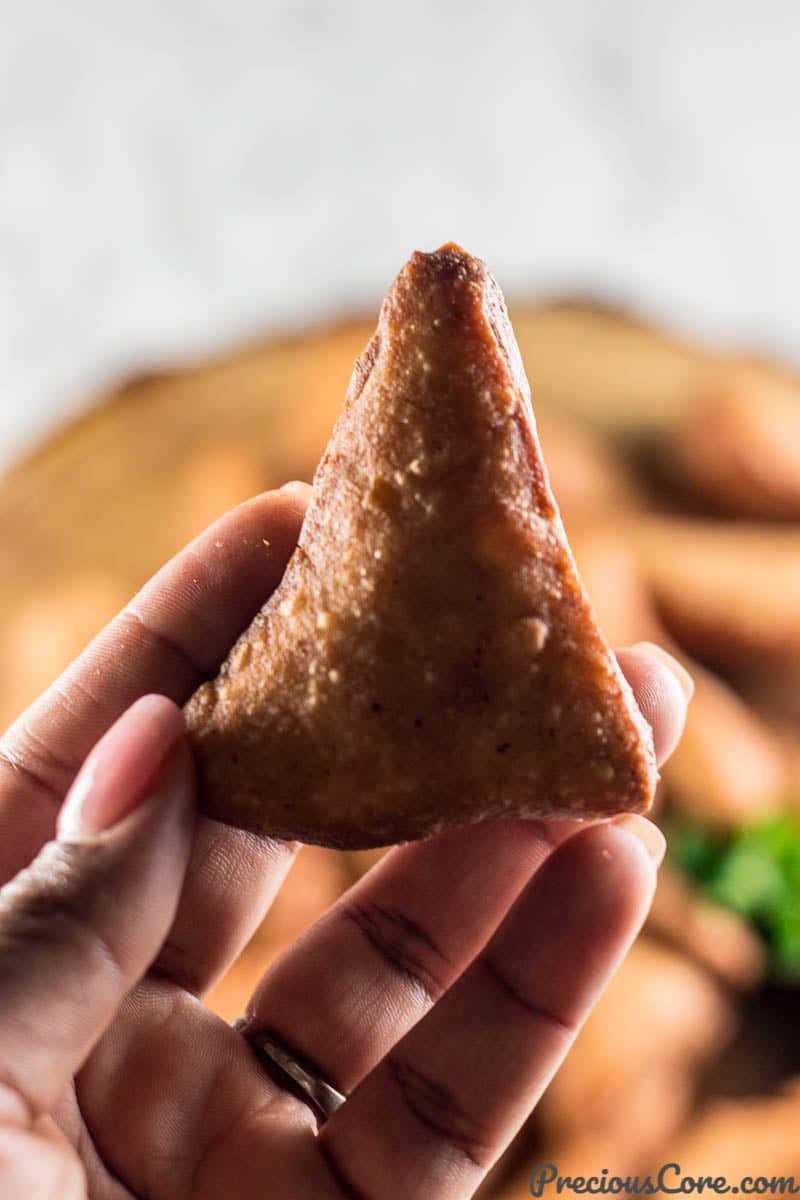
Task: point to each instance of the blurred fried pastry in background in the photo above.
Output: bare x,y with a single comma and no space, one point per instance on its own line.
737,451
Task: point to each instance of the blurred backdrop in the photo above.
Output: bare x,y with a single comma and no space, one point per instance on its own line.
178,177
201,206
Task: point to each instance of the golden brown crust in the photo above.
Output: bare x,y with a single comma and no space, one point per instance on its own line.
430,657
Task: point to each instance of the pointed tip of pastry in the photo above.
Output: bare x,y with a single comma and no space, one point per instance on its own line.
449,263
446,307
443,275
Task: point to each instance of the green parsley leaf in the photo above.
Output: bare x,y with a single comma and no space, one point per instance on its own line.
755,872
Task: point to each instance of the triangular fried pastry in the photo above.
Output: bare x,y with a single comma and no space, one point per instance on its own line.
430,657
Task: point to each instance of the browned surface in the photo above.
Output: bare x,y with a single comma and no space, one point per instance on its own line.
430,657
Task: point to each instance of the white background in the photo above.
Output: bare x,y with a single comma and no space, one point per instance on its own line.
178,175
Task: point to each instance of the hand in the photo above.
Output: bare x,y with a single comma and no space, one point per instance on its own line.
440,993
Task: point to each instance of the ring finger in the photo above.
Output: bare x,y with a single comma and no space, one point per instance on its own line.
443,1104
375,964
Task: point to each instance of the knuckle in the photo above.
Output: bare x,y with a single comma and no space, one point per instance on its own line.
338,1170
141,628
25,757
56,906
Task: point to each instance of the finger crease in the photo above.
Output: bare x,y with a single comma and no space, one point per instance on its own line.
340,1177
539,1011
37,762
169,645
31,775
435,1107
175,965
403,944
66,766
65,691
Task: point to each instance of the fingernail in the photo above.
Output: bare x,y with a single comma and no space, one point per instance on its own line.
298,488
648,834
671,663
116,775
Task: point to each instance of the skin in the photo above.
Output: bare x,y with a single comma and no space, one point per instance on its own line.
440,993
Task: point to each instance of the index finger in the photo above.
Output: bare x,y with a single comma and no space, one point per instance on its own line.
172,636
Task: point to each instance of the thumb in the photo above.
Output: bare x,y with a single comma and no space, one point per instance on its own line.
80,926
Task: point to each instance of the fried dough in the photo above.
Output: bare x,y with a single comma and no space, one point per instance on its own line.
430,657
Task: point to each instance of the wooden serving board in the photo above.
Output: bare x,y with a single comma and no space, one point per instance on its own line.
86,519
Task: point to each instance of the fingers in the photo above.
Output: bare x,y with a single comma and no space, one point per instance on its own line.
395,942
341,998
175,633
172,635
376,962
662,688
80,926
440,1108
232,878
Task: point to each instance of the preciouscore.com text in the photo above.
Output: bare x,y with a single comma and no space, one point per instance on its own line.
668,1181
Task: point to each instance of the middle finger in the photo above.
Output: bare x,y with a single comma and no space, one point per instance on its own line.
380,958
374,965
